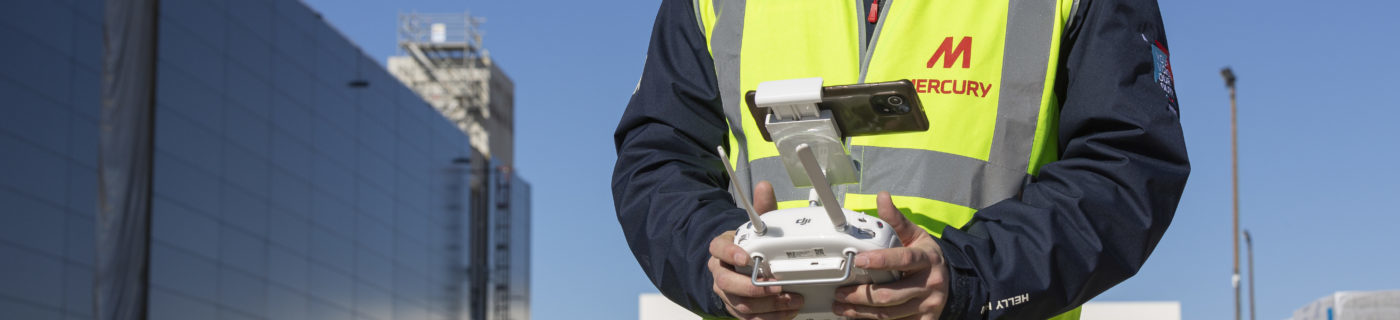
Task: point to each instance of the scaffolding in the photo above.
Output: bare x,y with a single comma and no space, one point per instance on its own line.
444,62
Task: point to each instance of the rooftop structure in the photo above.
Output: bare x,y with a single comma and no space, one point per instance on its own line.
444,61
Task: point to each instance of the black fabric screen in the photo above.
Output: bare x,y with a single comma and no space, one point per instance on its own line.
125,159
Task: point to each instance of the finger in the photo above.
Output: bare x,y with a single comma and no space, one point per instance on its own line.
930,316
733,283
901,259
883,295
769,304
907,231
930,309
789,306
854,311
723,247
780,315
763,198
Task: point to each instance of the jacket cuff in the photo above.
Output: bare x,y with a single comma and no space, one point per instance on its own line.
710,305
965,293
717,309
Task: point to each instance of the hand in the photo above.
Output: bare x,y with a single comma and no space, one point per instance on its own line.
742,299
920,294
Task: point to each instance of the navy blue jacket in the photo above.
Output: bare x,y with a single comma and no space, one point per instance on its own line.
1084,224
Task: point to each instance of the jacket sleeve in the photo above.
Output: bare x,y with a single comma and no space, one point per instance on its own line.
668,182
1089,220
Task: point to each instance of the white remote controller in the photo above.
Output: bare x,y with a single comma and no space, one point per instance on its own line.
811,251
807,256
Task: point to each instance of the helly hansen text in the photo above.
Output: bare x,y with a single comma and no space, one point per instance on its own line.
1006,303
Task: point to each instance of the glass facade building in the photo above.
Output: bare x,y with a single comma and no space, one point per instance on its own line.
49,96
294,178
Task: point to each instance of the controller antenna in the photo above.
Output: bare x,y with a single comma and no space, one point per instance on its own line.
758,227
821,187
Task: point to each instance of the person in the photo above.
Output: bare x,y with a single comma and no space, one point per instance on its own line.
1053,166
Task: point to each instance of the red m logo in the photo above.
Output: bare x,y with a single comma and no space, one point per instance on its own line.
964,49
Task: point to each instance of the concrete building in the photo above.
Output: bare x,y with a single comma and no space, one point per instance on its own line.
292,178
1352,305
1142,310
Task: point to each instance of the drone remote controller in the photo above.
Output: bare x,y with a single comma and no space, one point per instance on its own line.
811,251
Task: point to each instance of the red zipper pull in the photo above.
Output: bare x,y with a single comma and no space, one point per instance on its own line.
874,12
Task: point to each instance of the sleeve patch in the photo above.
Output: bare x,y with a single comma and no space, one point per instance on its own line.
1162,73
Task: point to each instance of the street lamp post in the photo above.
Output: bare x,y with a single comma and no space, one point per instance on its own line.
1249,248
1235,182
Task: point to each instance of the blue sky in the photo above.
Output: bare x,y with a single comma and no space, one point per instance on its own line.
1317,92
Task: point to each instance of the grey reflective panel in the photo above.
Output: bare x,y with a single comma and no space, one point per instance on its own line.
1029,28
935,175
699,21
1073,12
771,169
725,42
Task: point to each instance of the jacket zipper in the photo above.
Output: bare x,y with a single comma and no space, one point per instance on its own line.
871,17
874,16
874,12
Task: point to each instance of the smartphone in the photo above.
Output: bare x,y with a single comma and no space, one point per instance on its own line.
864,109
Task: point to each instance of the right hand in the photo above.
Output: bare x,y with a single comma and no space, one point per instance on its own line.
741,298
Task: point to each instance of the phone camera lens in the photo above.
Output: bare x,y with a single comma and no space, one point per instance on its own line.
890,104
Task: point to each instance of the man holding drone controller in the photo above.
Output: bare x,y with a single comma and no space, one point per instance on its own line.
1052,167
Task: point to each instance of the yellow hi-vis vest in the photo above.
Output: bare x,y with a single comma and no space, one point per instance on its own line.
984,71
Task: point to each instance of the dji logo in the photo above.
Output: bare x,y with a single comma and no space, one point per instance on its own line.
803,221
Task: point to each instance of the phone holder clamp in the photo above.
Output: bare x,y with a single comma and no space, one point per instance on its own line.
795,120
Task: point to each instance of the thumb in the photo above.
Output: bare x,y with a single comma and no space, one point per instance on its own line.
763,198
905,229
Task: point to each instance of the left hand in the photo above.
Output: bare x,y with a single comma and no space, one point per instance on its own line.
921,293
